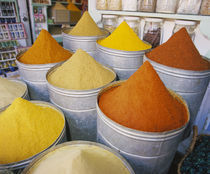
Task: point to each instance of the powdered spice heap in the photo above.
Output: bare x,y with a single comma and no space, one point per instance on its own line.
45,50
72,7
124,38
81,72
59,6
144,103
86,27
179,52
27,129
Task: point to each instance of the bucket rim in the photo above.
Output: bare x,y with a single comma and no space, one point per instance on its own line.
75,92
25,162
121,52
22,96
105,34
80,143
177,70
137,133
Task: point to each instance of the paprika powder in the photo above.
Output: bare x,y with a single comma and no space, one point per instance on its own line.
144,103
179,52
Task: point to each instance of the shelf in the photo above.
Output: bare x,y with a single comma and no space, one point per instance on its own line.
42,5
60,2
155,15
9,51
7,60
9,0
7,16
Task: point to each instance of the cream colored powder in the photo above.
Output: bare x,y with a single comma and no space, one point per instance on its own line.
81,72
9,90
80,159
86,27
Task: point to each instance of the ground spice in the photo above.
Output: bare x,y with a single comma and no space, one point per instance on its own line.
9,90
124,38
81,72
45,50
80,159
72,7
59,6
179,52
144,103
86,27
27,129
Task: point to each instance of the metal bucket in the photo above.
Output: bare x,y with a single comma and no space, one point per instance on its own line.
147,152
34,76
87,43
25,94
18,166
79,107
78,143
124,63
191,85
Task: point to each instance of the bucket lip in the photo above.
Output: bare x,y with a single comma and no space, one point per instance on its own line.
76,92
134,132
22,96
106,33
35,66
20,164
79,143
121,52
177,70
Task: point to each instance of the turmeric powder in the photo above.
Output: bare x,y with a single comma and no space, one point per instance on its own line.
125,39
72,7
144,103
27,129
45,50
86,27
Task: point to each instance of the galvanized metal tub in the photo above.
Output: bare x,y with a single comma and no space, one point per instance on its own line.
147,152
87,43
34,76
18,166
191,85
78,143
124,63
79,107
25,94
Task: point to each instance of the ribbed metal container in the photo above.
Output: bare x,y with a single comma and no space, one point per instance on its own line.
147,152
79,107
78,143
34,76
124,63
191,85
25,94
18,166
87,43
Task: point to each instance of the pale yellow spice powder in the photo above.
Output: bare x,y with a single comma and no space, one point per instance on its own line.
81,72
59,6
27,129
9,90
86,27
125,39
80,159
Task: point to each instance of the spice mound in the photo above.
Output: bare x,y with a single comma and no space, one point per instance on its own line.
9,90
125,39
144,103
27,129
179,52
59,6
81,72
79,159
45,50
86,27
72,7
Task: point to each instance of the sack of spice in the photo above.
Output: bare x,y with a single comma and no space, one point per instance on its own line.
45,50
